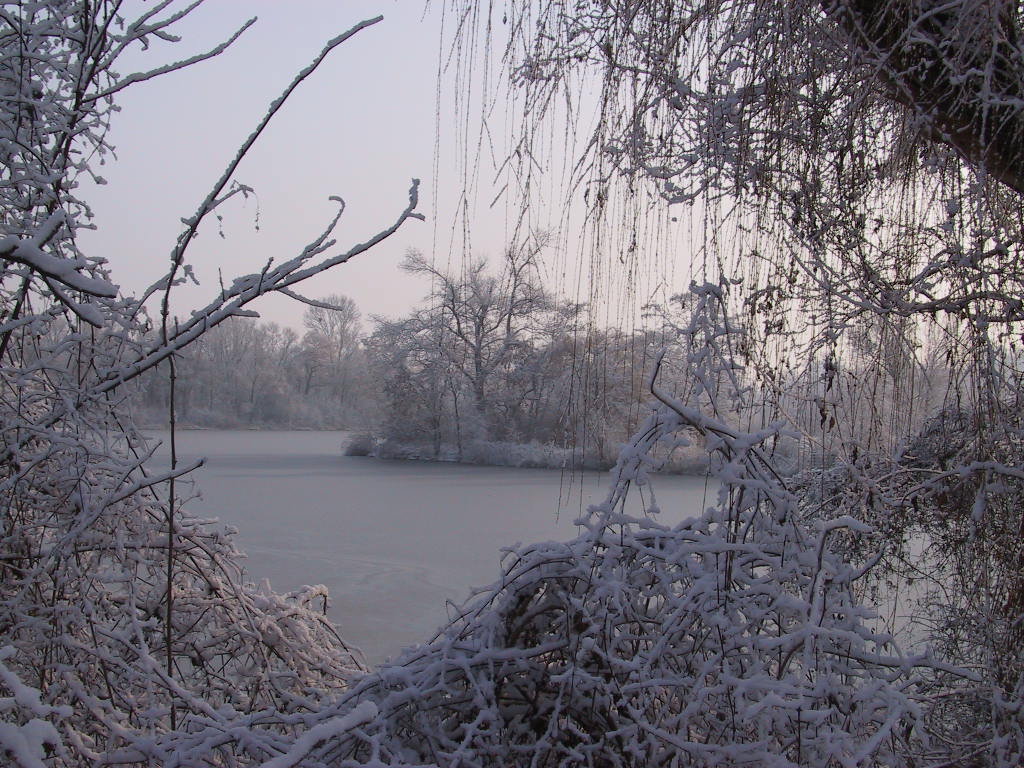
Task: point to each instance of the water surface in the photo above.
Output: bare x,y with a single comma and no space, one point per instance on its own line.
394,541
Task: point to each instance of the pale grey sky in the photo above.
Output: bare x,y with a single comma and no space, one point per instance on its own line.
361,127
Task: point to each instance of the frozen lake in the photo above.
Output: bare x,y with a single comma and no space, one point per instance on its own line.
394,541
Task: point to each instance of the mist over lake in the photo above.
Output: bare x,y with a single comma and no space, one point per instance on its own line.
394,541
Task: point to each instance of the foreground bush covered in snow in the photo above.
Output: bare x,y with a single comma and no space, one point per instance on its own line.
122,616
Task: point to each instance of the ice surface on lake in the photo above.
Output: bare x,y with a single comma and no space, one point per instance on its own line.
392,540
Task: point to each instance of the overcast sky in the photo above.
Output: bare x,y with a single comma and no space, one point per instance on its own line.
361,127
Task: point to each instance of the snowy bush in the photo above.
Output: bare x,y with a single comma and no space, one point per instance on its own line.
732,639
121,614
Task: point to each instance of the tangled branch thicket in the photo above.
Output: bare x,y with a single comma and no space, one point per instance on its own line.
122,615
730,639
848,173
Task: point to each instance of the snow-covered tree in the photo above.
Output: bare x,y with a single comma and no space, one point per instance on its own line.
485,319
849,174
122,616
332,341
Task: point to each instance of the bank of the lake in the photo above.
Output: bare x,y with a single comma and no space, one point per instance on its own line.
492,453
392,540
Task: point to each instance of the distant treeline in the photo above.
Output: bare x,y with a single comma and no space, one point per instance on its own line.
489,360
490,368
246,373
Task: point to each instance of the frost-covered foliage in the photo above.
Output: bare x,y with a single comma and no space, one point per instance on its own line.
122,616
851,160
849,177
492,369
732,638
248,373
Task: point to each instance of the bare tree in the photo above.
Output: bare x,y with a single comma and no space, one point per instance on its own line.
122,616
485,317
332,340
422,391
